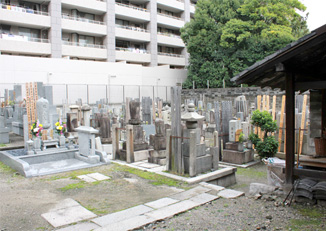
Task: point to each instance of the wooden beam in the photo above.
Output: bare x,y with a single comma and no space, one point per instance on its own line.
310,85
290,118
281,124
309,173
303,118
323,112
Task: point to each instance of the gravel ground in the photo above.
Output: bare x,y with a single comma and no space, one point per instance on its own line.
248,213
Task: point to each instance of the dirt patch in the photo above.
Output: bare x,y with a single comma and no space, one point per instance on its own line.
23,200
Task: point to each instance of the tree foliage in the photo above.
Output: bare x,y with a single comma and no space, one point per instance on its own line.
226,36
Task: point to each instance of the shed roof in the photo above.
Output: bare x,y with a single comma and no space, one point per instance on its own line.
305,57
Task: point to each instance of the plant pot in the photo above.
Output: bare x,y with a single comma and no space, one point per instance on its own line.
240,147
249,144
320,146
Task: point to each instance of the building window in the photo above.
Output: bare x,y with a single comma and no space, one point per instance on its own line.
30,33
83,39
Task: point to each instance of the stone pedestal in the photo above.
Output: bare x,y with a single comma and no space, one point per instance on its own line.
234,153
4,131
86,140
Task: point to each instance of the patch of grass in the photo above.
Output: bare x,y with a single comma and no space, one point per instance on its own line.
313,219
2,145
76,173
72,186
225,205
41,228
251,172
237,186
96,210
6,169
154,179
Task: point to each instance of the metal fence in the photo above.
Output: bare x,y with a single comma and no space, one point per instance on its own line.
90,93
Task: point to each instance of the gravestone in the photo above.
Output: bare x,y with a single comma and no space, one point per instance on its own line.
105,129
18,93
86,141
134,109
42,108
86,111
72,122
146,110
4,131
158,142
241,106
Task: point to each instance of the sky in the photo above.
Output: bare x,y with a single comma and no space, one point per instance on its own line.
316,9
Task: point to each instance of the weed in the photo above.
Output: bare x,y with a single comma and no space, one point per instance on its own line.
2,145
155,179
251,173
72,186
226,205
6,169
96,210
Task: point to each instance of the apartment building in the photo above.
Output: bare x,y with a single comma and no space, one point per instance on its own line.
145,32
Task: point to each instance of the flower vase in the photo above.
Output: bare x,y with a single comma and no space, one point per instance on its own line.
37,144
62,141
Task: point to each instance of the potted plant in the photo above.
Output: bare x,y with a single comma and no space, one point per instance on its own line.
241,140
36,131
266,147
60,129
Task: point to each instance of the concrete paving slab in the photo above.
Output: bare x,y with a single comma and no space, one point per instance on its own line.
203,198
157,169
212,186
128,224
121,215
98,176
247,165
66,203
67,216
87,226
230,194
189,193
171,210
86,178
161,202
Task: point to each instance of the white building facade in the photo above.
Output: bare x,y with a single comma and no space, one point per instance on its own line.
142,32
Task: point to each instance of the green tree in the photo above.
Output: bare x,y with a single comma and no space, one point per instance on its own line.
226,36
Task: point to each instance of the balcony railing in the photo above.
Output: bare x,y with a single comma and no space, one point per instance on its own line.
132,28
83,44
170,16
133,50
66,16
132,7
21,9
23,38
171,55
169,35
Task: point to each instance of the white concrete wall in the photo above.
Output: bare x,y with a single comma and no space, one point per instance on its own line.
130,80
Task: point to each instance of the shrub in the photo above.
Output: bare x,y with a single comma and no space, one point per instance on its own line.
268,146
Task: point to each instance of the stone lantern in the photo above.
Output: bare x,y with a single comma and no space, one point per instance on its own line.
191,117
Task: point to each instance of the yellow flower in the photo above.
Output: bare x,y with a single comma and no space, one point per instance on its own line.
40,125
57,124
31,127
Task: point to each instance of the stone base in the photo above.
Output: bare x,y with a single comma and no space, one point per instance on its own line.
137,147
106,140
225,181
157,157
138,155
237,157
94,159
234,146
203,164
4,136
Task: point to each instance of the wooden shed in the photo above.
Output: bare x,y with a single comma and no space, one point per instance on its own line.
300,66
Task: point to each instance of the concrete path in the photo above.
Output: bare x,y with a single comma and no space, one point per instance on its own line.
69,212
144,214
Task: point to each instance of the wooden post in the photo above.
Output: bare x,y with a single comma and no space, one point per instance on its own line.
281,124
303,118
290,126
257,130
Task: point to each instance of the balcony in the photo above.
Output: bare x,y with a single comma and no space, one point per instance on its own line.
24,45
171,59
82,50
132,55
82,25
24,17
192,8
172,5
89,6
170,21
133,13
169,40
132,33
